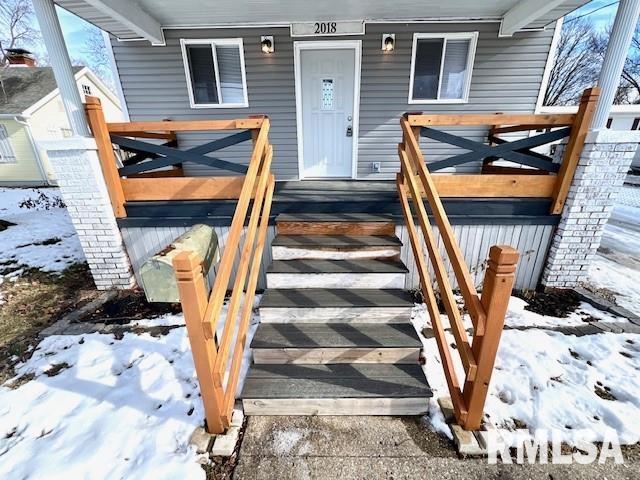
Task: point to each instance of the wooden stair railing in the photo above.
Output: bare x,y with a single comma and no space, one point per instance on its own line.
541,178
487,312
218,359
154,172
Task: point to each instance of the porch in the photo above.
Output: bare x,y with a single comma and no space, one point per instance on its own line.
153,182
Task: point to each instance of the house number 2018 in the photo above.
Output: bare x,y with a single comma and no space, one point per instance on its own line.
325,27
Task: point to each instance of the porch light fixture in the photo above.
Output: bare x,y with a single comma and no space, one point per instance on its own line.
266,44
388,42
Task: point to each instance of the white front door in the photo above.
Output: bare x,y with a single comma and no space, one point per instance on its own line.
327,100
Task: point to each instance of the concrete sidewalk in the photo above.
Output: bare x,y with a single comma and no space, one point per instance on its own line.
281,448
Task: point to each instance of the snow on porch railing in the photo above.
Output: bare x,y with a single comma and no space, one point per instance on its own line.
217,359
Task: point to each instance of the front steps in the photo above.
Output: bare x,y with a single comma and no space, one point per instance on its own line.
335,247
341,341
355,389
320,343
335,305
358,273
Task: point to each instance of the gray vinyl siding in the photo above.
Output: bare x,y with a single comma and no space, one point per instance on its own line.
506,77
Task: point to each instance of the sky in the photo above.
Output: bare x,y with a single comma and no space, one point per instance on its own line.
600,12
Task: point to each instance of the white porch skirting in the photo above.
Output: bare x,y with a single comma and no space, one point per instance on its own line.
532,241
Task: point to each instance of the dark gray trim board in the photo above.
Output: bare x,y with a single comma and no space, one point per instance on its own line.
128,222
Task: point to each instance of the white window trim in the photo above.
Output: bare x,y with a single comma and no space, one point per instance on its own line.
472,36
11,158
213,42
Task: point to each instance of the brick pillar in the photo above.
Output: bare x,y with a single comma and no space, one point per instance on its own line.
601,171
76,164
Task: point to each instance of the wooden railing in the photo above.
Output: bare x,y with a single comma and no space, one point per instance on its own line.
542,178
154,171
486,312
217,358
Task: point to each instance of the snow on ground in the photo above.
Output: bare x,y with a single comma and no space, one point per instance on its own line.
549,380
123,409
617,265
43,236
117,409
622,280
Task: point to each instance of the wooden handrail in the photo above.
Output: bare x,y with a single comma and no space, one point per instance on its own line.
546,120
212,356
487,312
446,293
460,269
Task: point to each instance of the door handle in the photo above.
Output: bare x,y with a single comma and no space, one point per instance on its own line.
349,131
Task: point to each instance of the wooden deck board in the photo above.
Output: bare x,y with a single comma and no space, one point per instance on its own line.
289,335
337,266
366,380
331,298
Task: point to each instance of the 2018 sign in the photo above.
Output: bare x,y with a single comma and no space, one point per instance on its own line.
326,27
312,29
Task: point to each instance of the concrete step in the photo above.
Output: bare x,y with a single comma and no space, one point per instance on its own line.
334,247
353,389
336,305
358,273
335,224
316,343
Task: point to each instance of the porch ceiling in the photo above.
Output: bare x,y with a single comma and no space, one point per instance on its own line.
129,19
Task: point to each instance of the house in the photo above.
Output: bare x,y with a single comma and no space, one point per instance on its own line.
343,152
621,117
31,110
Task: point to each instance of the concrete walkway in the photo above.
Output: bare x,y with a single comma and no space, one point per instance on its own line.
281,448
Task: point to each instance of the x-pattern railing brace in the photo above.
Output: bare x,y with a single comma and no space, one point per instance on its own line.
515,151
141,156
172,156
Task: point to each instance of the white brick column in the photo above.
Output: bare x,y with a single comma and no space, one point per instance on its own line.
75,161
601,171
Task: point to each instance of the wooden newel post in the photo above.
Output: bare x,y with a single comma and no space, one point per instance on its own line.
100,132
575,144
496,290
193,297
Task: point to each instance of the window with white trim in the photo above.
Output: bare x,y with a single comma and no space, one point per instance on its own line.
441,67
6,151
215,73
86,89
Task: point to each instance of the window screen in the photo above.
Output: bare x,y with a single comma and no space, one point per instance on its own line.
454,69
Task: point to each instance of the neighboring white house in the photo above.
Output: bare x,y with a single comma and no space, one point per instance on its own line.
621,117
31,111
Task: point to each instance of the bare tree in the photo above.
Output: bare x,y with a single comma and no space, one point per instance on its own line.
629,89
16,26
576,64
96,55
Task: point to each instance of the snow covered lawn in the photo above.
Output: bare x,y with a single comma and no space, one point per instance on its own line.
42,236
547,380
617,265
103,408
94,406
